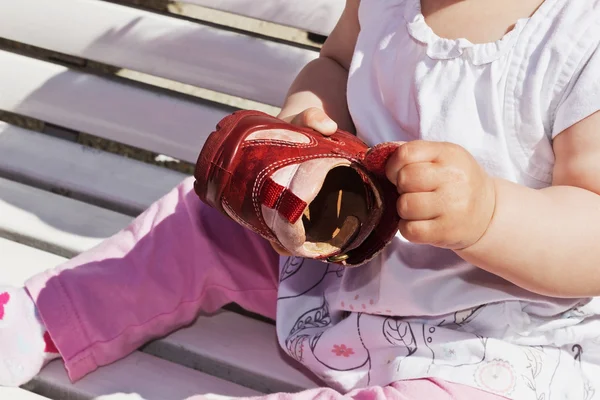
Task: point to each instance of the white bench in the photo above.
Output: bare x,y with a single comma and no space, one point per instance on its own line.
59,198
312,16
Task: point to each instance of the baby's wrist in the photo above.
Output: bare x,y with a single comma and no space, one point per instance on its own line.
486,220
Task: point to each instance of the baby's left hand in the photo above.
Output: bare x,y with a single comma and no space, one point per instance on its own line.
446,199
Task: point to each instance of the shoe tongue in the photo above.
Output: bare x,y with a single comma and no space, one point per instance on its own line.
302,183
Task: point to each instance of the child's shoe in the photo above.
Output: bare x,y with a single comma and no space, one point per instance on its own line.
25,345
319,197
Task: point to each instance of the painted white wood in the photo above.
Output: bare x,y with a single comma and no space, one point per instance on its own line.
317,16
96,175
241,348
138,376
54,223
227,345
19,262
177,49
19,394
106,108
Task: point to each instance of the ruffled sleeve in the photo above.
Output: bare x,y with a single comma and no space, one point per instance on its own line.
582,97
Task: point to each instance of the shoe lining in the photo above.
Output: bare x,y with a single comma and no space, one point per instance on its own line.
336,213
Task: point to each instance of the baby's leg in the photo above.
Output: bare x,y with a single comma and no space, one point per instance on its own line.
178,258
418,389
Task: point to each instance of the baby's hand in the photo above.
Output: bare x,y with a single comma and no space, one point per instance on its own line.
313,118
446,199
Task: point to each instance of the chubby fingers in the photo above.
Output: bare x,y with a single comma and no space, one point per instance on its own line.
415,152
419,177
316,119
420,231
419,206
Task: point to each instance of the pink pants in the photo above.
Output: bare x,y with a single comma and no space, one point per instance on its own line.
177,259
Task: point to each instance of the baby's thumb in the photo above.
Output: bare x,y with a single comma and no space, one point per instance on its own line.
316,119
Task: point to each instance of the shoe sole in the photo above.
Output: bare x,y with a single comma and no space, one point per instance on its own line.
213,169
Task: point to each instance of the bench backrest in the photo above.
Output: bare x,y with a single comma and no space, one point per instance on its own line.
152,45
311,16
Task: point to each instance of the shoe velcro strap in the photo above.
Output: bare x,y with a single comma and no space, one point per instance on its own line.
280,198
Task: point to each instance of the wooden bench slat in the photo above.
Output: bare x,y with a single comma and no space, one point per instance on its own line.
53,223
106,108
242,349
149,376
96,175
316,16
19,262
158,45
146,376
19,394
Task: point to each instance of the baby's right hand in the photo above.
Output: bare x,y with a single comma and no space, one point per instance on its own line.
316,119
313,118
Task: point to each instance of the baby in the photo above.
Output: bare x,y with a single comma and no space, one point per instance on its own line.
487,291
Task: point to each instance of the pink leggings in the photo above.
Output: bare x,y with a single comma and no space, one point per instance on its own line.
177,259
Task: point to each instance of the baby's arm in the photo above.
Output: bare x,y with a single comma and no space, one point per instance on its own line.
547,240
321,85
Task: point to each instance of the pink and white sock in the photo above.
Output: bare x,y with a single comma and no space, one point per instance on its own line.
25,345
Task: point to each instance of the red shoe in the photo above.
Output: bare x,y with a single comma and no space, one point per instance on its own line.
319,197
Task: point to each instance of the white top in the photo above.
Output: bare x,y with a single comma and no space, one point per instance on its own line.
418,311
